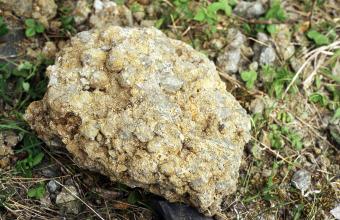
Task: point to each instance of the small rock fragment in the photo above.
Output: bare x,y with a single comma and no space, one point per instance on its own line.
52,186
147,23
175,211
336,212
283,41
81,11
249,9
42,10
302,180
267,56
257,105
19,7
107,12
49,50
7,141
67,200
264,53
229,59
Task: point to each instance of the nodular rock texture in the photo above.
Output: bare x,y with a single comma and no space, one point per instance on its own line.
147,111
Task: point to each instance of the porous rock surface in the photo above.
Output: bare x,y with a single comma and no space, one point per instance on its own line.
147,111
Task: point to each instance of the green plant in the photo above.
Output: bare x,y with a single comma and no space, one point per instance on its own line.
319,98
285,117
33,27
37,192
31,145
133,197
318,38
276,79
275,138
278,134
15,83
249,77
268,191
68,24
275,12
298,211
209,14
3,27
336,115
135,7
182,9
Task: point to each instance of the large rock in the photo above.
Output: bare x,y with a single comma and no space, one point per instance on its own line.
147,111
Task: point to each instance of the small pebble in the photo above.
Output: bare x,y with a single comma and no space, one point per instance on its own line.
336,212
52,186
302,180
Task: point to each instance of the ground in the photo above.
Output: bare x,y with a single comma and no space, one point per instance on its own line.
280,60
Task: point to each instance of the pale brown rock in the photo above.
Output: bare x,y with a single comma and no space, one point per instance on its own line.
107,12
147,111
42,10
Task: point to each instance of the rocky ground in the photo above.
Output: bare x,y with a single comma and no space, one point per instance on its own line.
280,60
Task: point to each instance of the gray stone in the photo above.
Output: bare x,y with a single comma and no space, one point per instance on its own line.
10,48
302,180
267,56
336,212
229,60
235,38
52,186
283,41
249,9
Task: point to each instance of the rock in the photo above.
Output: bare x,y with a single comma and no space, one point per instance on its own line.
257,105
264,53
256,151
267,56
49,50
107,12
229,59
68,201
217,43
11,139
42,10
52,186
12,40
49,171
7,141
139,15
81,11
336,212
45,201
22,8
147,111
254,66
302,180
283,41
249,9
147,23
5,153
176,211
